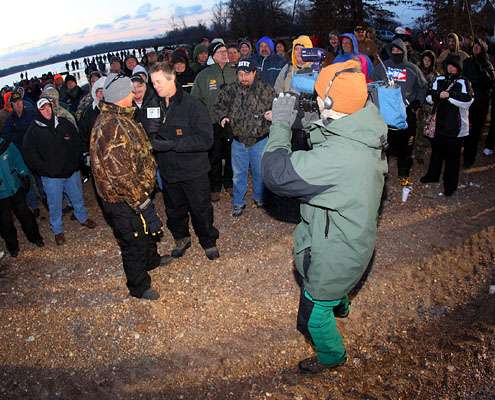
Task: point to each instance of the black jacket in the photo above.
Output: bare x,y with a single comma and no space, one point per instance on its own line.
86,124
149,114
53,151
187,123
479,70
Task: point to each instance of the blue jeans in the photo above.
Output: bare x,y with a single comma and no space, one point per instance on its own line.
55,189
244,157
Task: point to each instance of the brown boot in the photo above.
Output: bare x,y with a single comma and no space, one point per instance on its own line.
90,224
311,365
60,239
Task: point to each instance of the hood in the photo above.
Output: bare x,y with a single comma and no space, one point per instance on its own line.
483,45
99,84
431,55
268,41
200,48
399,43
454,60
303,41
456,39
355,44
40,121
365,126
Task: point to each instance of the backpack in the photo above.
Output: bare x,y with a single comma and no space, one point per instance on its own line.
387,97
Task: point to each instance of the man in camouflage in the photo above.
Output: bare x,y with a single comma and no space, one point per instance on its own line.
124,173
51,93
245,106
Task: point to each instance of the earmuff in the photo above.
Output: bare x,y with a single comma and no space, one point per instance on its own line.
328,101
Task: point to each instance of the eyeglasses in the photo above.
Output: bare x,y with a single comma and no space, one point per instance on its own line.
113,80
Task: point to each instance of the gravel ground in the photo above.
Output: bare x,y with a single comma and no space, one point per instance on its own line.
422,325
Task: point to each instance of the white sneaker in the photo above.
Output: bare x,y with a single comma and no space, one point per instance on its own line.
487,152
2,254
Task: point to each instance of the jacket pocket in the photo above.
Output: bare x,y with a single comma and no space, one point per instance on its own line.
302,254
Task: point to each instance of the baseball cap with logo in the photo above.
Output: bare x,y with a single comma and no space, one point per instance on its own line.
247,65
41,102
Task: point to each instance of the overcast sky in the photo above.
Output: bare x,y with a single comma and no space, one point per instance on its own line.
43,29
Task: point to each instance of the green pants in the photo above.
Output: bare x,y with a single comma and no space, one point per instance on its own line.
316,320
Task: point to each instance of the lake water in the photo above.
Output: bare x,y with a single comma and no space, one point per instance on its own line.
54,68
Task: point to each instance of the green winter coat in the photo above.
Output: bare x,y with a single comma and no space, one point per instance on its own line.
340,182
12,168
209,81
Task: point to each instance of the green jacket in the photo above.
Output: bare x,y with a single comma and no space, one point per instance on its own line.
12,168
209,81
340,182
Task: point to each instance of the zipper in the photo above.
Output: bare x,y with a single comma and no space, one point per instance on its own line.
327,225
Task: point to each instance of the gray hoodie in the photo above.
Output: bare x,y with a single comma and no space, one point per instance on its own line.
407,75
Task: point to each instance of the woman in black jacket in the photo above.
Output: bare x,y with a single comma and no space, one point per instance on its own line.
480,72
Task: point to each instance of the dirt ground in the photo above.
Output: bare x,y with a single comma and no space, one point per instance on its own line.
422,326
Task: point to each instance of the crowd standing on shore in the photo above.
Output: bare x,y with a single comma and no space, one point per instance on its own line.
193,122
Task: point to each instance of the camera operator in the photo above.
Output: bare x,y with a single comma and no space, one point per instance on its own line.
340,182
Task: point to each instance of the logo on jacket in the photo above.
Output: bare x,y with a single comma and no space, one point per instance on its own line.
397,74
212,84
178,132
66,136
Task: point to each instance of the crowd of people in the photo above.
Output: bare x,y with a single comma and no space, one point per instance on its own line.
193,122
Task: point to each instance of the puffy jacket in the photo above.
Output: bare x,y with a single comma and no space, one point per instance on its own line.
123,166
245,107
268,67
12,167
407,75
209,81
16,127
148,114
53,151
187,123
335,239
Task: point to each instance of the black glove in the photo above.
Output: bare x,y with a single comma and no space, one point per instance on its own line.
162,144
149,222
25,182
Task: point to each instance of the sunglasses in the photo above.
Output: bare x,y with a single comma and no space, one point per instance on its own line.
113,80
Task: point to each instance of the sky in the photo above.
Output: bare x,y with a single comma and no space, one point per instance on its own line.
44,29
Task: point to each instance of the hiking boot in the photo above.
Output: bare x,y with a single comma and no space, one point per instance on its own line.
90,224
428,179
181,246
215,196
150,294
14,253
237,210
311,365
488,152
212,253
229,191
257,204
60,239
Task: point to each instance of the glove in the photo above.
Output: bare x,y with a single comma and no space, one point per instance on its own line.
149,222
283,109
162,144
309,117
26,182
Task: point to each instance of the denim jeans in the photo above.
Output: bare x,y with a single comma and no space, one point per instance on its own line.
244,157
55,189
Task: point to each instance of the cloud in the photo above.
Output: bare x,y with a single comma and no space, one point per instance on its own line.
123,18
189,10
103,26
144,10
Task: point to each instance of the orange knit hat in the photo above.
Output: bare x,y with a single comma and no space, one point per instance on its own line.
348,90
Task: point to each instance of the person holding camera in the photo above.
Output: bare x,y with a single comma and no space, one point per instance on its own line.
14,183
124,173
245,106
335,240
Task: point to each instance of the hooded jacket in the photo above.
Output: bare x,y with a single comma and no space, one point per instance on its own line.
123,167
406,74
444,54
284,79
12,167
52,148
195,65
335,239
452,114
209,81
268,67
431,73
366,64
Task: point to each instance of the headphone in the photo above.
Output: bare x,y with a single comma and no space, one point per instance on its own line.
328,101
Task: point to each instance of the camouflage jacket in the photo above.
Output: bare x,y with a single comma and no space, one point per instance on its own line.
83,104
245,107
123,166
